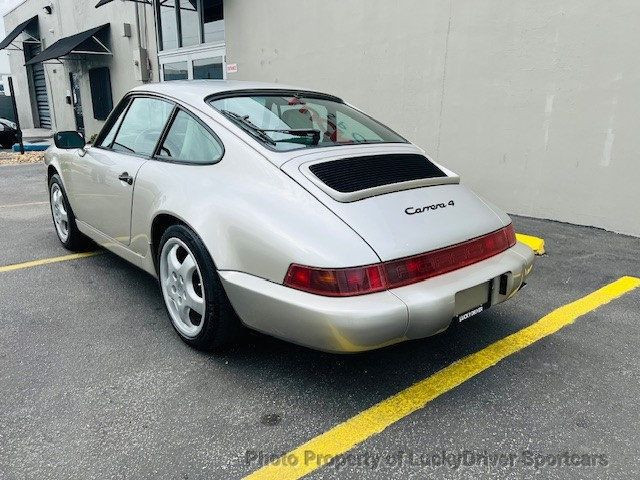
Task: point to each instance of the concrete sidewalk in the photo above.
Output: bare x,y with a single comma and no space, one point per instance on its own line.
36,135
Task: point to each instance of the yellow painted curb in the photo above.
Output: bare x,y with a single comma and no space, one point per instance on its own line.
536,244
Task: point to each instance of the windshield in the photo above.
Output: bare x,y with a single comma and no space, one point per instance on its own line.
286,122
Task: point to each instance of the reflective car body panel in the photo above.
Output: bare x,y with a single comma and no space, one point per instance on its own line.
258,211
401,223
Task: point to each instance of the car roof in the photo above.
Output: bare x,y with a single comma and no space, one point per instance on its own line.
195,91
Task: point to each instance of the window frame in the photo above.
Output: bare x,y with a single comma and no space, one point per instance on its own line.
127,101
177,109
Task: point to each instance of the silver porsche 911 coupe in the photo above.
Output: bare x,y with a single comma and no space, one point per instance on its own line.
285,210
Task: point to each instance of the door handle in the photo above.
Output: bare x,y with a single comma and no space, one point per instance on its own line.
125,177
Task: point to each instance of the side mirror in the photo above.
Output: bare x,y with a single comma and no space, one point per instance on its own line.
69,140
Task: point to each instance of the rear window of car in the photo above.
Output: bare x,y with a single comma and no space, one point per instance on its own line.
296,121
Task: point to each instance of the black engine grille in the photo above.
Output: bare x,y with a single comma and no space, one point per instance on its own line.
359,173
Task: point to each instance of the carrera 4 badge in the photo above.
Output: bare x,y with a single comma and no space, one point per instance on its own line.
435,206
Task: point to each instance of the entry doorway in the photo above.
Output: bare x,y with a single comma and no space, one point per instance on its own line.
38,87
76,101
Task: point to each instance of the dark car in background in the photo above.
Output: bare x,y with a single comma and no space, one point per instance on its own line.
9,133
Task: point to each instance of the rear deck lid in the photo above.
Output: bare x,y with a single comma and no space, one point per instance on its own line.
400,202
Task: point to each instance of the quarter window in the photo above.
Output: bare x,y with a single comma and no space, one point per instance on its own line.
142,126
188,141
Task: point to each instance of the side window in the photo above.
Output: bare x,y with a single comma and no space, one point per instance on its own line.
142,126
188,141
108,138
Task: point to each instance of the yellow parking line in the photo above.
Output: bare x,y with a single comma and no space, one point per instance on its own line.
45,261
535,243
343,437
10,205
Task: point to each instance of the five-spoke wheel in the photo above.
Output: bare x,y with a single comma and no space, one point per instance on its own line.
193,294
63,219
60,215
181,283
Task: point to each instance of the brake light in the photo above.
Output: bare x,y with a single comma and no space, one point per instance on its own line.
340,282
426,265
343,282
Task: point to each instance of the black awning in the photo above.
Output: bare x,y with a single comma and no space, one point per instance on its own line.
83,43
15,32
104,2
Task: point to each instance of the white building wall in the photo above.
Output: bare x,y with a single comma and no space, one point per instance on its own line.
535,104
70,17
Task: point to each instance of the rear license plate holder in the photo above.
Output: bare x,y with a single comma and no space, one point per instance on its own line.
471,301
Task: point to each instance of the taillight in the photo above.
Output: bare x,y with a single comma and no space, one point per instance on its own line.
426,265
340,282
344,282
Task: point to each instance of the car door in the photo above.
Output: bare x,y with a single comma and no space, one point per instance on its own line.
103,179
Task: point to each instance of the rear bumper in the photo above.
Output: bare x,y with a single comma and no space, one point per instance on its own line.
353,324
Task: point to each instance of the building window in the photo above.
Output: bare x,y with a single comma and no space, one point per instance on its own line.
189,23
209,68
168,24
186,23
175,71
100,82
212,14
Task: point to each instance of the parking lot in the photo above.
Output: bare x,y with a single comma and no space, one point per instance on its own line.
94,383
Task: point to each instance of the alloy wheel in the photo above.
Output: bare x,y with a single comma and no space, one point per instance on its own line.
60,215
181,284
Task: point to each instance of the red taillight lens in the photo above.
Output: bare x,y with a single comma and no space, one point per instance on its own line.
341,282
420,267
344,282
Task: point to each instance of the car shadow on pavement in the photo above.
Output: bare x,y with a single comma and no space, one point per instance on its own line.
257,358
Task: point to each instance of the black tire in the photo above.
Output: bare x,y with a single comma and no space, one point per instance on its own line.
75,240
221,326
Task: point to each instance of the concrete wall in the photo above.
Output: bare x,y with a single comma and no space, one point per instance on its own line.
535,104
70,17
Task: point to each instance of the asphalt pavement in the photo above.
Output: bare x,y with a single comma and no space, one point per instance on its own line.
94,383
